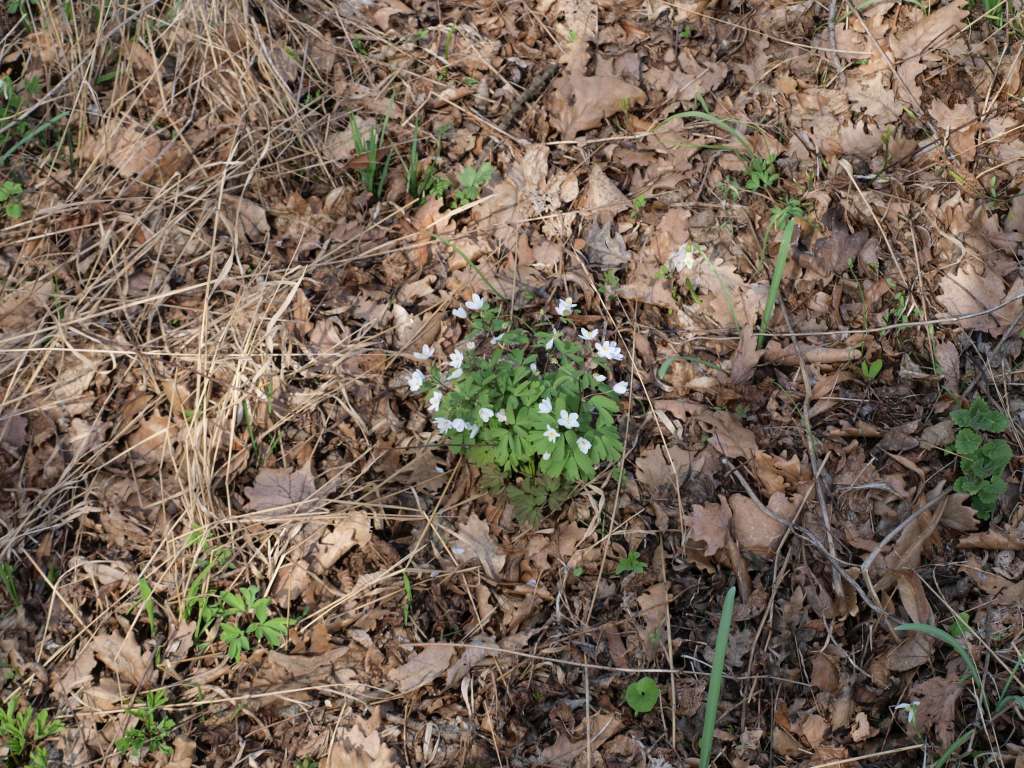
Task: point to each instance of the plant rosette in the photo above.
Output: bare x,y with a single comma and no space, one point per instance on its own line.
526,403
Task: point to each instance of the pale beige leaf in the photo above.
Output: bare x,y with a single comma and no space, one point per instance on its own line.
476,545
565,750
934,29
360,746
126,147
580,103
602,197
422,667
937,710
274,488
710,524
729,436
970,293
353,531
755,530
152,440
122,656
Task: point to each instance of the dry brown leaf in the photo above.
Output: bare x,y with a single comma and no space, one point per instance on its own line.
579,102
689,79
275,488
126,147
930,33
78,672
710,524
994,538
970,293
602,197
861,730
122,656
151,442
565,750
184,751
353,531
961,124
653,605
729,436
755,530
422,667
937,707
476,545
813,729
292,672
243,216
360,746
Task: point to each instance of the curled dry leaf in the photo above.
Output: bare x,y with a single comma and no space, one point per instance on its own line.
755,530
602,198
580,103
422,667
122,656
476,545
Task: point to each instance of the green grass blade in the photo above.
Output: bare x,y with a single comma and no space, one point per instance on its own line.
952,642
715,684
961,740
773,289
717,121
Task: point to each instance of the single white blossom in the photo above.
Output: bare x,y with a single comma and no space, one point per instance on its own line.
460,313
545,456
486,414
565,307
475,303
424,354
621,388
568,420
544,406
685,256
442,424
497,339
587,334
455,359
609,350
415,380
435,401
583,444
533,367
551,434
550,342
473,429
600,377
501,417
456,373
459,425
470,345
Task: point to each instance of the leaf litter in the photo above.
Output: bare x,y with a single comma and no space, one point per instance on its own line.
207,318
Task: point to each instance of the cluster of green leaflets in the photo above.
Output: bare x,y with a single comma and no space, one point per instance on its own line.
982,459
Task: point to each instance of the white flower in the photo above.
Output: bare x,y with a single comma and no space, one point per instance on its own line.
533,367
460,313
501,417
459,425
497,339
583,444
545,456
486,414
551,342
568,420
609,350
587,334
476,302
473,429
470,345
455,374
621,388
442,424
455,359
910,708
424,354
435,401
551,434
544,406
685,256
565,307
600,377
415,380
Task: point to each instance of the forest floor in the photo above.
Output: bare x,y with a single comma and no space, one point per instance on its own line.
231,534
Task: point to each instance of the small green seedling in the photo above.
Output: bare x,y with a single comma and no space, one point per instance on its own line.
961,625
870,370
23,731
152,734
8,583
374,173
260,625
631,563
407,603
982,460
471,182
638,205
146,593
642,695
10,199
423,182
761,173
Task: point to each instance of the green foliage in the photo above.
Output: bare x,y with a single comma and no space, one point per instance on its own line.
717,675
423,182
870,370
961,625
374,174
631,563
773,289
23,731
471,181
152,734
407,603
761,173
530,408
982,460
8,583
146,593
791,209
638,205
10,199
642,695
259,625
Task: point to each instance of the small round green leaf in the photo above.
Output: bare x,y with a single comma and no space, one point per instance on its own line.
642,695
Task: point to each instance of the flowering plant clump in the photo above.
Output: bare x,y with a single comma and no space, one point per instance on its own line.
530,405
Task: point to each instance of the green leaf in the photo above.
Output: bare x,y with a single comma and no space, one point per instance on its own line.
952,642
715,681
967,442
631,563
642,695
980,416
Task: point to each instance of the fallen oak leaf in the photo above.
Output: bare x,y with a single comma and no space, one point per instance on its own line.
422,667
579,102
